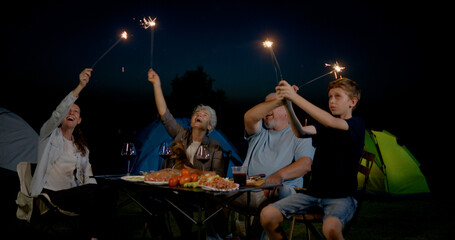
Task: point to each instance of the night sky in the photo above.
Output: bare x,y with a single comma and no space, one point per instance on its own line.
46,45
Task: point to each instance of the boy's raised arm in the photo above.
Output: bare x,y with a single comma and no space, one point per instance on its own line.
284,90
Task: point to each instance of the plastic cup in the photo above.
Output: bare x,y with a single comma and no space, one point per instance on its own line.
239,173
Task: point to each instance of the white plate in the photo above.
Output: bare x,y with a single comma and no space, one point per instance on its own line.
136,178
156,183
220,189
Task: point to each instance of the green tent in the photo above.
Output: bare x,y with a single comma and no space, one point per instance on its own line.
396,171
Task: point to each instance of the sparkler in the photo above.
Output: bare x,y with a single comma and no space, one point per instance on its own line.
149,23
336,69
268,44
123,36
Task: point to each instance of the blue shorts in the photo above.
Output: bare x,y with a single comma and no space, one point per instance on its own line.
341,208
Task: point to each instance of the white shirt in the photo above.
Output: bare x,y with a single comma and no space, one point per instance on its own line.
61,174
191,150
50,149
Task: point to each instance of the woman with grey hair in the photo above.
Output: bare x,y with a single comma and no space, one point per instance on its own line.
203,121
212,119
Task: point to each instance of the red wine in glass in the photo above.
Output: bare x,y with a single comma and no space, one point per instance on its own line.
164,152
203,155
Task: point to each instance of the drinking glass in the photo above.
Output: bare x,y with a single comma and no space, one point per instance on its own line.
164,152
128,152
203,155
239,173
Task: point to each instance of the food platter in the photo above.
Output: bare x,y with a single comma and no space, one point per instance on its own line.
217,183
135,178
236,186
156,183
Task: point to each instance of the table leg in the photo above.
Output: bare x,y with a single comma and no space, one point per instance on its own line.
224,204
150,225
247,220
200,222
180,210
138,203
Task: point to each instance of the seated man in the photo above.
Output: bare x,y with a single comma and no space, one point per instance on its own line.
275,151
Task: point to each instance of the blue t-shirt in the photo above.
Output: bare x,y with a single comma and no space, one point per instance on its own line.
270,151
335,165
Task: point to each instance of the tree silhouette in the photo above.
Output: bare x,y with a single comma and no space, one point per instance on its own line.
192,89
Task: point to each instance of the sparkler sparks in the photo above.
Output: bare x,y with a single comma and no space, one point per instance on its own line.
267,44
336,69
148,22
123,36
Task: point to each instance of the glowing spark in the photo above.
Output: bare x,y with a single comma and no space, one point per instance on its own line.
267,44
148,22
124,35
336,69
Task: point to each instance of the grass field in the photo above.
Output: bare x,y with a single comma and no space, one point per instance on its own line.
410,219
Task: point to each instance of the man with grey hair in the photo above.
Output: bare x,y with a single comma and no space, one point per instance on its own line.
203,121
275,151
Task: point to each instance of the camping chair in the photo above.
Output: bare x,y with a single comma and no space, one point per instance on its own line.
315,215
34,208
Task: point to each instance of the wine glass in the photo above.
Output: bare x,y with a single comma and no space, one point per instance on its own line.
128,152
203,155
164,152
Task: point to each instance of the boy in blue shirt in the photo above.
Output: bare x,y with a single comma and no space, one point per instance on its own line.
339,140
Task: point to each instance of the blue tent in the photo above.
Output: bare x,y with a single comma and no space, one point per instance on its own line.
150,138
18,141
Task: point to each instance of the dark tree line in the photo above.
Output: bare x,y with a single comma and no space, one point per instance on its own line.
193,88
